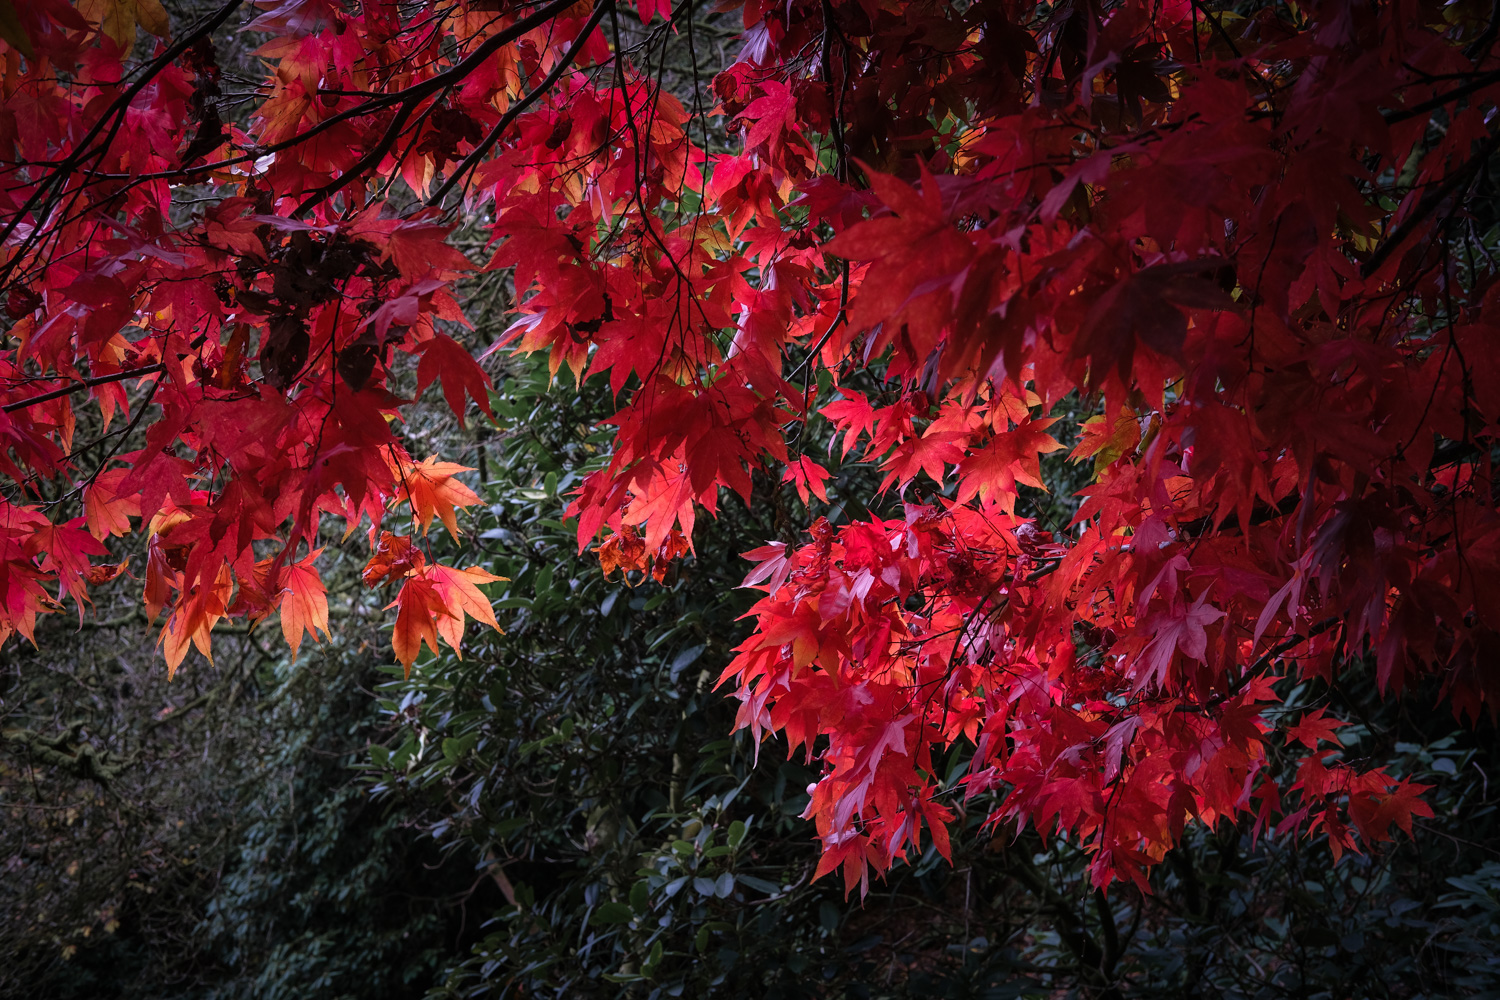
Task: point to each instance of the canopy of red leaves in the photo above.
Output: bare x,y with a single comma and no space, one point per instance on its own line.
1231,235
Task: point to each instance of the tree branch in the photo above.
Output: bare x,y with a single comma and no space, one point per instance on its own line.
514,111
1429,203
411,97
116,109
87,383
1433,103
54,751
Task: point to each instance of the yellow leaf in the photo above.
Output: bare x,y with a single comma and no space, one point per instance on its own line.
115,18
153,17
714,240
118,18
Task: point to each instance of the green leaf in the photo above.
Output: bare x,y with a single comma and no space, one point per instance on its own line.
612,913
512,602
825,382
759,884
506,827
683,660
453,749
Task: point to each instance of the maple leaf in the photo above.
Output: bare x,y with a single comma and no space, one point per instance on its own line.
1147,306
855,853
394,558
892,738
63,549
106,510
431,489
1314,727
21,597
101,573
1374,812
808,477
853,415
304,602
432,603
1012,457
774,114
1116,740
1104,439
937,818
458,590
444,358
773,566
418,606
199,608
1289,593
118,18
1180,629
418,248
931,453
622,550
666,501
1068,802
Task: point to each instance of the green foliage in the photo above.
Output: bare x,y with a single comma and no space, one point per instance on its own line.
325,892
582,763
580,759
232,850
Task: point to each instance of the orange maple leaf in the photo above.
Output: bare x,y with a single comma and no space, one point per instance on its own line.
416,605
106,508
433,603
191,622
304,602
394,558
432,490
